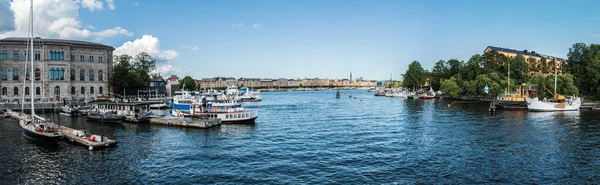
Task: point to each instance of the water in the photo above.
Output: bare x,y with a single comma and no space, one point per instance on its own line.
313,138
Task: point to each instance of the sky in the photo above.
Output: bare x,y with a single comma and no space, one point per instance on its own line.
307,38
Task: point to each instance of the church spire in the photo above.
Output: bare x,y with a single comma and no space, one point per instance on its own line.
350,76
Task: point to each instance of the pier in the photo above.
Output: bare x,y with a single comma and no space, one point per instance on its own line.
180,122
85,141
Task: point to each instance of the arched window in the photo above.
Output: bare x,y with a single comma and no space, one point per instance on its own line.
72,90
37,91
61,74
91,90
72,74
51,73
100,75
81,75
57,90
62,55
37,74
82,90
50,55
16,91
91,75
4,91
100,89
15,74
26,90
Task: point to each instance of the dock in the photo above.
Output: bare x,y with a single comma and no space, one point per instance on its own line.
181,122
85,141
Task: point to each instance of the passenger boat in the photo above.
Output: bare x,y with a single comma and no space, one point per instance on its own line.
247,95
230,112
33,126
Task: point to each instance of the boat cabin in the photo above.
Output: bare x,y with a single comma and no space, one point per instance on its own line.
124,108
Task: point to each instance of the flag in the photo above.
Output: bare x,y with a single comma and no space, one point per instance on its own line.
486,89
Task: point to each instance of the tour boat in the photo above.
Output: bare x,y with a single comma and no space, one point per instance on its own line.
229,111
33,126
246,95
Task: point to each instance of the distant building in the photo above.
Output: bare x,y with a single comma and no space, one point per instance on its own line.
158,86
172,85
527,55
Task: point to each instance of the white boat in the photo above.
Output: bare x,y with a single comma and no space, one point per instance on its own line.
69,109
561,103
535,105
247,95
35,127
228,111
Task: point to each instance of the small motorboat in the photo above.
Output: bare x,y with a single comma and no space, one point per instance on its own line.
69,109
337,94
104,117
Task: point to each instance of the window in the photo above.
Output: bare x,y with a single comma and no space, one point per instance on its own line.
100,59
4,78
26,90
62,55
16,56
15,74
4,91
72,74
4,56
81,58
27,74
37,74
16,91
91,75
37,56
51,73
91,59
37,91
81,75
91,90
61,74
50,56
26,56
100,75
72,90
57,90
72,58
82,90
100,90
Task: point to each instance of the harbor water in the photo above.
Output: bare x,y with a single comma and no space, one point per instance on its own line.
313,138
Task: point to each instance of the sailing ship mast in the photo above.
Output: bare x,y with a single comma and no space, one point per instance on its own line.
31,59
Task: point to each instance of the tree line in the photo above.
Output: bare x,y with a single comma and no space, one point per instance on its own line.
580,75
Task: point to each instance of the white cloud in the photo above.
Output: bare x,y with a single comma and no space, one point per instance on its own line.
91,27
136,3
92,4
237,25
168,68
148,44
111,4
255,26
7,17
58,20
189,47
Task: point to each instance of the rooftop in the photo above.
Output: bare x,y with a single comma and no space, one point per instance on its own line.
61,41
524,52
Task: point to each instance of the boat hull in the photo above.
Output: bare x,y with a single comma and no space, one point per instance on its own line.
534,105
510,104
427,97
105,120
39,137
249,120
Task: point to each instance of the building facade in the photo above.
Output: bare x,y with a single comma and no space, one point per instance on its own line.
63,69
172,85
530,56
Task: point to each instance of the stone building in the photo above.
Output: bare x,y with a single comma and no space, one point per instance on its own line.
63,69
172,85
530,56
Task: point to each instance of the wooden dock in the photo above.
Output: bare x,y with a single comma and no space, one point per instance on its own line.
69,136
85,141
180,122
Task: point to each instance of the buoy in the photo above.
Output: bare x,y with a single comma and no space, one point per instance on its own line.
91,148
448,105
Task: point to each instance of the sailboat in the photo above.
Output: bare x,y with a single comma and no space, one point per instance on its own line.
559,103
513,100
33,126
429,95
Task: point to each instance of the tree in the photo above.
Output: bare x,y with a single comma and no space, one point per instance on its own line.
533,64
145,61
453,67
472,68
450,88
414,76
518,69
544,66
130,74
494,61
187,83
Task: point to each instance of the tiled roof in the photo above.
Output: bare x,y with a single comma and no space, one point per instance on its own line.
524,52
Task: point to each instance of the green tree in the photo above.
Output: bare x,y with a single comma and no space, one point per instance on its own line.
494,61
533,64
414,76
130,74
450,87
454,67
187,83
472,68
145,61
518,69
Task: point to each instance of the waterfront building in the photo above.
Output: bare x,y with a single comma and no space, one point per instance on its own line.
248,82
63,69
529,57
172,85
158,86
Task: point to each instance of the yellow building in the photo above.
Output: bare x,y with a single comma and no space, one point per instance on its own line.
529,55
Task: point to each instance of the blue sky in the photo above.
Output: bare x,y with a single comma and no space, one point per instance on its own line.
310,38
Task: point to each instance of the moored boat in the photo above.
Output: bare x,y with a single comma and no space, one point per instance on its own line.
558,102
104,117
